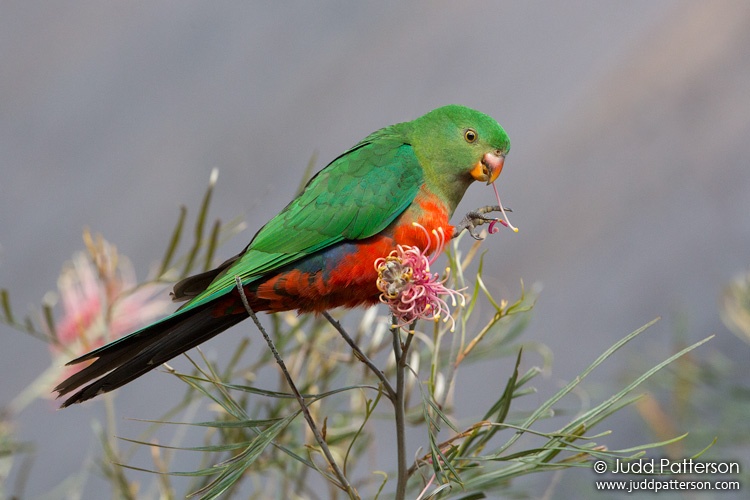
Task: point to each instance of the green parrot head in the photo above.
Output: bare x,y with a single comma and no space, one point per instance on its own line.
456,146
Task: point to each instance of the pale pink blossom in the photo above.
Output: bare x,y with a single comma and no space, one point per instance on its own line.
101,301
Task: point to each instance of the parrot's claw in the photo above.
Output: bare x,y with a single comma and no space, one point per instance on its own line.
476,218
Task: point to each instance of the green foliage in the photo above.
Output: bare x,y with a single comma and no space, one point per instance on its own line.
365,392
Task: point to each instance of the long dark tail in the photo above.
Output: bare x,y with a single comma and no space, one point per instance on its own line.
126,359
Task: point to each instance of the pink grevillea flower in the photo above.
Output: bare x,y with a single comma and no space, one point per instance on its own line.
408,287
101,301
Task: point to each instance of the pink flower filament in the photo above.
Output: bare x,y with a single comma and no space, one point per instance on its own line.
408,287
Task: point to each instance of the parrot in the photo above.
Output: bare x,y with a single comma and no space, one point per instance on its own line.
317,254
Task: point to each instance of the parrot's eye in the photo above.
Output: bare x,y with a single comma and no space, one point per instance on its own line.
470,135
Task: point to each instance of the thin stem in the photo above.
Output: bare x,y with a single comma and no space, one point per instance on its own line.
344,483
362,357
400,351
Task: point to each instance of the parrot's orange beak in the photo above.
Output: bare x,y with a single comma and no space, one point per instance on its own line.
488,168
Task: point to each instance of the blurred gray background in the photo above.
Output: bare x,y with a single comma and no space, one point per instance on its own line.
629,174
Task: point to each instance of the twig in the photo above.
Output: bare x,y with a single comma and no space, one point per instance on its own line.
400,351
344,483
396,396
362,357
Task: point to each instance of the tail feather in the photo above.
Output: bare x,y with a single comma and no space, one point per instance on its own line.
116,353
125,360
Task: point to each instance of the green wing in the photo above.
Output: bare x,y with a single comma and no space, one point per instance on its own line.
356,196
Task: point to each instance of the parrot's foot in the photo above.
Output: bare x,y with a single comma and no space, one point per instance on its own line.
476,218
